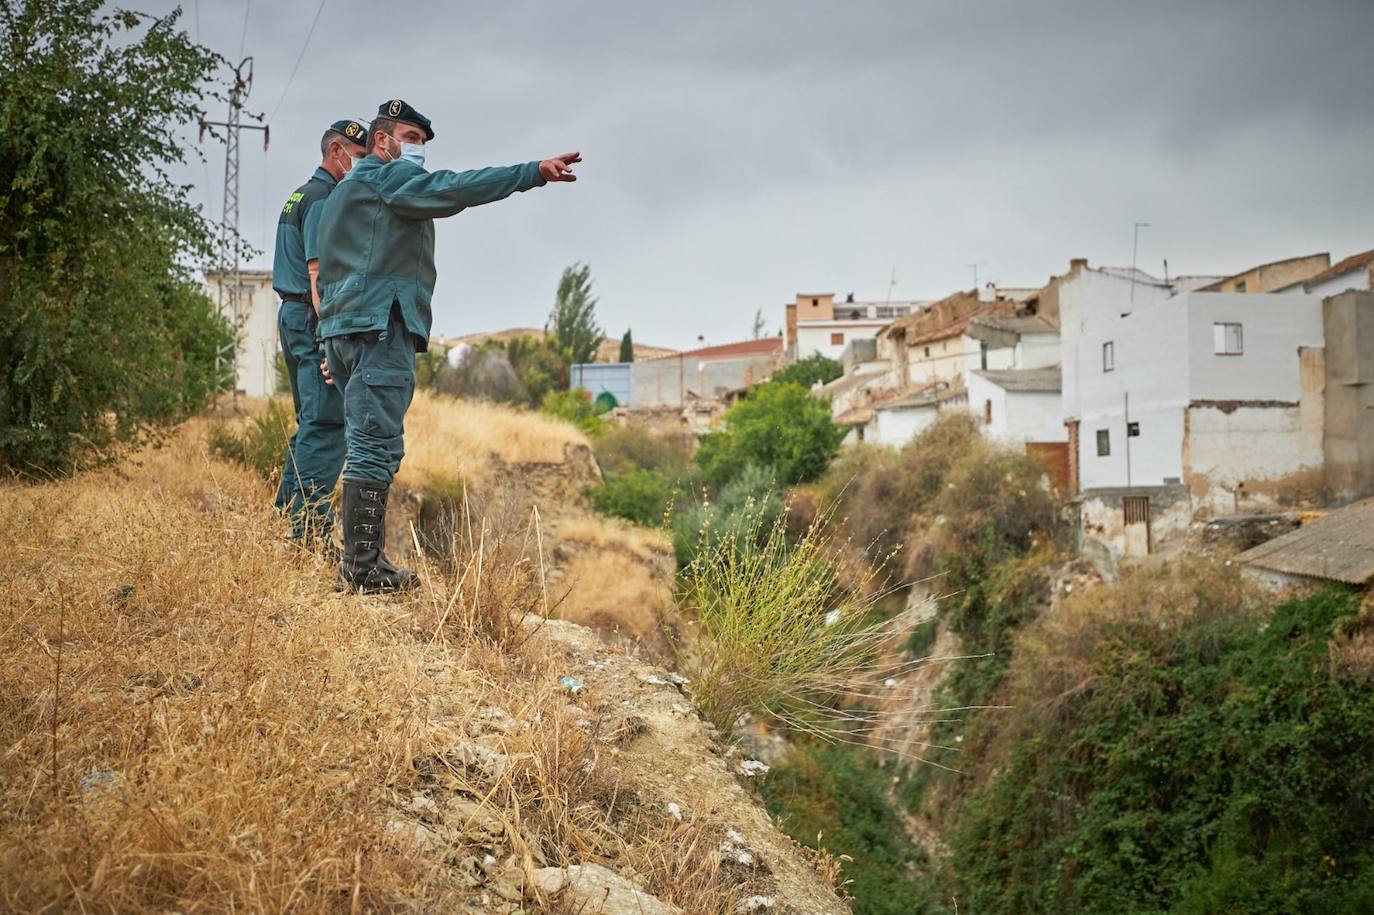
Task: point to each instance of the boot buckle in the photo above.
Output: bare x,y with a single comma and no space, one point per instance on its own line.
367,544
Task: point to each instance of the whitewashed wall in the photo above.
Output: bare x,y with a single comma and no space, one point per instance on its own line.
814,336
1151,377
897,427
1357,279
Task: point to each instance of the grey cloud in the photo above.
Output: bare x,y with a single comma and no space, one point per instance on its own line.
737,152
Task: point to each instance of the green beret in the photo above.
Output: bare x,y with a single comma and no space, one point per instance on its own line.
400,110
352,130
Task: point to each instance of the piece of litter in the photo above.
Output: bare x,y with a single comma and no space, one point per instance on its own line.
675,811
98,777
832,617
753,767
572,685
890,681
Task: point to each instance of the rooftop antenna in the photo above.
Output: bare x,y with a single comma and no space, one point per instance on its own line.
230,241
891,284
974,267
1135,246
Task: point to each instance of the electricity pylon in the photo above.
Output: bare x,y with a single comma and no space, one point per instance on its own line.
230,241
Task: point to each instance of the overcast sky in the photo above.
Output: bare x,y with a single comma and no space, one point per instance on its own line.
737,153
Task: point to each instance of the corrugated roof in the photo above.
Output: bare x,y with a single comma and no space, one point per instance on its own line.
1025,380
921,398
1339,546
764,346
1027,324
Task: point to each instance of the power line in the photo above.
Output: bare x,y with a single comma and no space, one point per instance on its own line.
299,57
243,37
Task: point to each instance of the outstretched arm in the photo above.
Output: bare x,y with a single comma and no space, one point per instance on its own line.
419,194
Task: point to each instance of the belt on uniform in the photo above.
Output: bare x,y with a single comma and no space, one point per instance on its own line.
296,297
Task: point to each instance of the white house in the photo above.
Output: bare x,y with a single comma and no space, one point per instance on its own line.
1198,405
1018,406
256,326
817,324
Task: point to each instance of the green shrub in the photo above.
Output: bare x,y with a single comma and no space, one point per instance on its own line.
1199,762
259,443
780,427
806,372
835,797
621,449
777,636
639,496
108,337
747,507
576,407
922,637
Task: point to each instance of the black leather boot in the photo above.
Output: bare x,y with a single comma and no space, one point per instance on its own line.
363,566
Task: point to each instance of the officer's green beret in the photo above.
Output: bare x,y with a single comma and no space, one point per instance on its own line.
352,130
400,110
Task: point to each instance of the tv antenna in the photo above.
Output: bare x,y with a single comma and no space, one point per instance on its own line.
974,267
1135,247
231,297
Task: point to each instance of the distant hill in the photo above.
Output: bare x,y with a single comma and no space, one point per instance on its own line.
608,351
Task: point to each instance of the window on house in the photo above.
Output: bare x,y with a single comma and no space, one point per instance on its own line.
1240,285
983,356
1108,356
1104,442
837,339
815,303
927,352
1227,339
987,412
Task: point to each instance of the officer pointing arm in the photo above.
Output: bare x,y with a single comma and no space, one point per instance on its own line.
376,283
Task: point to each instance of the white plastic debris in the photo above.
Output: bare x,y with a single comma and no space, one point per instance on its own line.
675,811
752,768
832,617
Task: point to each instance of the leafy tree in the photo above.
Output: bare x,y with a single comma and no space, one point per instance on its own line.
627,348
537,363
781,428
572,323
806,372
107,336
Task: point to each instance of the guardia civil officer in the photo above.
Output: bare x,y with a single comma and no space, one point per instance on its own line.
315,453
376,280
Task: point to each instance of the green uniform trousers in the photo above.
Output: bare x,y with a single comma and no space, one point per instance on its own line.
315,452
376,373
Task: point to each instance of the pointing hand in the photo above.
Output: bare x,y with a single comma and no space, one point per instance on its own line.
559,168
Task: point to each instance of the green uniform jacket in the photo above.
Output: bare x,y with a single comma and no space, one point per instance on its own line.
297,229
376,239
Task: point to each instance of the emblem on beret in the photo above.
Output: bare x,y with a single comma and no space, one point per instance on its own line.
394,108
352,129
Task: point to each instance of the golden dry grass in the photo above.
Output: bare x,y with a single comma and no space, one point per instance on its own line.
616,578
603,533
448,438
194,721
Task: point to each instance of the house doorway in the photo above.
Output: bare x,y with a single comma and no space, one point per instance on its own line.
1136,515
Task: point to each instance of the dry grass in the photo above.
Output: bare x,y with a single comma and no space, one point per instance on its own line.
448,438
603,533
617,579
194,721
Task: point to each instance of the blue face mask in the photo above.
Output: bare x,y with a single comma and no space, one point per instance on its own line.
413,152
